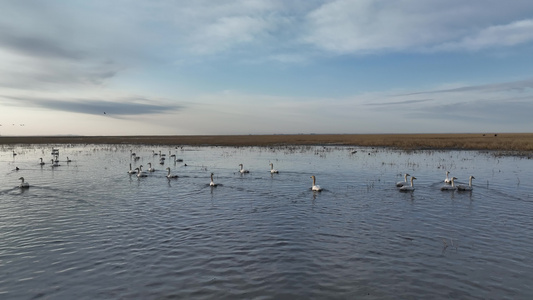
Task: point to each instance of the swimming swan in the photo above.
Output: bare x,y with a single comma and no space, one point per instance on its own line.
150,169
447,180
23,185
408,188
140,173
315,187
171,176
272,171
131,171
243,170
449,187
402,183
42,162
468,187
55,163
212,183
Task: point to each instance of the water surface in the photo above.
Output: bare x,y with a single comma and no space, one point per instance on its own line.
88,230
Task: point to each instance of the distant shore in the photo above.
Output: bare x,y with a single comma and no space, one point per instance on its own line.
516,142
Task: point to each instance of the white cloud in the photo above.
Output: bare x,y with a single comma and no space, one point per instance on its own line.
508,35
369,26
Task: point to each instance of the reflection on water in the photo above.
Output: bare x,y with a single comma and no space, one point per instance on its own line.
88,229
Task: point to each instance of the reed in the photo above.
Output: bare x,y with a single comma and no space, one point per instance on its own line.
515,142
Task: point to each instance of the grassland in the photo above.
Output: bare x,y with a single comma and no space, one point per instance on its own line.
518,143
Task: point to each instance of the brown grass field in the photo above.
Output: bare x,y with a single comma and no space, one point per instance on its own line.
519,143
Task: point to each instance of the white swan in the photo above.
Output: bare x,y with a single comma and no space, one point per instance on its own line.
243,170
171,176
402,183
451,187
131,171
212,183
42,162
140,172
468,187
447,180
315,187
408,188
171,155
150,169
23,185
272,170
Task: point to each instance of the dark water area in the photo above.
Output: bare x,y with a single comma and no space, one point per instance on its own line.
89,230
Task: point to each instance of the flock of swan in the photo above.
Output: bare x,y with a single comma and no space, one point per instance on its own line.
449,184
404,186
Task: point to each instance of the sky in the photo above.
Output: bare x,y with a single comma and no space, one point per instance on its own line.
200,67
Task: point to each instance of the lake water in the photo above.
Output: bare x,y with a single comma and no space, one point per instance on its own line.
89,230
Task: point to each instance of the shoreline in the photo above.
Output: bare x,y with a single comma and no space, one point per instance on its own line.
508,142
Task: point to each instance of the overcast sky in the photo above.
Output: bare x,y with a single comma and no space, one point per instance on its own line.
104,67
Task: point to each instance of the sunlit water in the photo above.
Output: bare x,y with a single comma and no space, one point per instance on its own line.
89,230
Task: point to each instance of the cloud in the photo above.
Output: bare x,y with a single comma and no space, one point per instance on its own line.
130,106
517,86
370,26
515,33
398,103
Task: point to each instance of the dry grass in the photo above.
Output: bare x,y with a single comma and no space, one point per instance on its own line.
521,143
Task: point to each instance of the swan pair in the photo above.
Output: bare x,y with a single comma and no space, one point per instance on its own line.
460,187
405,182
408,188
140,172
272,170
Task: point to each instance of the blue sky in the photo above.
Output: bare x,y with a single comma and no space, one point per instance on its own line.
265,67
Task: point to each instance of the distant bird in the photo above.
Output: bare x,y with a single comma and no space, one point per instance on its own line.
42,162
272,170
405,182
468,187
315,187
68,160
212,183
242,170
150,169
408,188
451,187
171,176
104,113
55,163
23,185
447,180
14,153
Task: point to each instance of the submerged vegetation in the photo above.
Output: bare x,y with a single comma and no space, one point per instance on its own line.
503,143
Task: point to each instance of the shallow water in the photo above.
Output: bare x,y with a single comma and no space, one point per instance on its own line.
87,229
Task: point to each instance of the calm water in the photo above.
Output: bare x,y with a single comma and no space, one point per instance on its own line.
89,230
